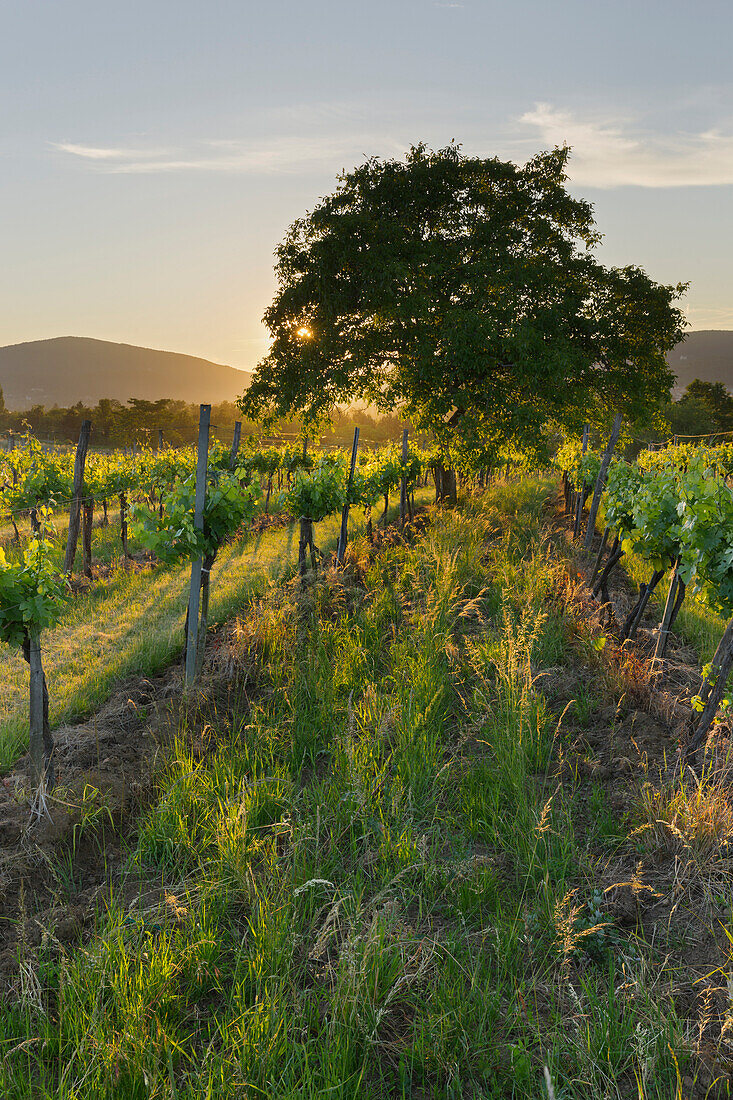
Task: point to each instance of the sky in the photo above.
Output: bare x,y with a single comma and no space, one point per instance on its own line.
154,153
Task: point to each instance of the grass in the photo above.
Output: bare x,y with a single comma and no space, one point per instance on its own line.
372,884
131,623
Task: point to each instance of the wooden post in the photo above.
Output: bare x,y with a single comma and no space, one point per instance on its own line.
713,687
581,491
664,626
599,556
345,511
36,711
403,482
86,536
160,439
235,444
202,463
77,493
601,480
123,524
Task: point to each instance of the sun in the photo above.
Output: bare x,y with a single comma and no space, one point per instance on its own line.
304,333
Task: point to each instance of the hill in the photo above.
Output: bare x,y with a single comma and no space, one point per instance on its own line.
74,368
707,354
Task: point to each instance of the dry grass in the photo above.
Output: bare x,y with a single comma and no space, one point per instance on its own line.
692,816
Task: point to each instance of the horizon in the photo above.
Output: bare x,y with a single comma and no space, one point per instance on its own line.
177,351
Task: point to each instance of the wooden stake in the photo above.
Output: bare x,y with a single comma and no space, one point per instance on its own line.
403,482
345,512
77,493
86,536
599,555
664,626
235,444
580,500
601,480
713,687
202,462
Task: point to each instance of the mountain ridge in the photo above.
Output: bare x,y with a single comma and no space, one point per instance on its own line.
63,370
706,354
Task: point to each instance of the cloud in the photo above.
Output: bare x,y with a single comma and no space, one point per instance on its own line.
235,155
702,317
614,154
92,152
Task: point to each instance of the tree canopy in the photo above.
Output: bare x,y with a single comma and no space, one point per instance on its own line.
466,292
714,399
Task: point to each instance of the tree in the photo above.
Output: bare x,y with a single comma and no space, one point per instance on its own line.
715,399
464,292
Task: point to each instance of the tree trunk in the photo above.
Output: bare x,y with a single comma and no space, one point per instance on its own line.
613,559
645,592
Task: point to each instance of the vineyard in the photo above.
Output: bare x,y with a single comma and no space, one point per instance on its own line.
402,773
148,505
672,510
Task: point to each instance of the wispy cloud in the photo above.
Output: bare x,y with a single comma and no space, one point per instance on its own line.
235,155
710,317
609,153
94,152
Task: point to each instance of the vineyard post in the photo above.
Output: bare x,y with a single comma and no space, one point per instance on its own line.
713,687
40,742
345,511
202,462
235,444
664,626
581,491
403,481
123,524
36,710
75,511
160,439
601,480
599,556
86,536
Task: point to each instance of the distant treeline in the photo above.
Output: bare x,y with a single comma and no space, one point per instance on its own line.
138,423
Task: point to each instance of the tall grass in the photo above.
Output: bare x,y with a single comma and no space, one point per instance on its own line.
370,884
